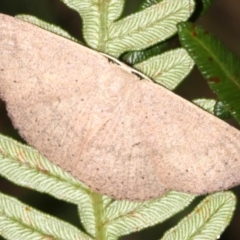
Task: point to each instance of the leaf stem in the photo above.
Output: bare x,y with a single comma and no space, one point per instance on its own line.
103,33
97,203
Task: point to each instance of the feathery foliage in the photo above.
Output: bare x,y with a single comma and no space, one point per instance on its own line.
102,217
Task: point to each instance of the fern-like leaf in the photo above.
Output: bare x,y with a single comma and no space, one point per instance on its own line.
96,16
169,68
19,221
207,221
47,26
148,3
220,111
219,66
24,166
124,217
147,27
206,5
206,104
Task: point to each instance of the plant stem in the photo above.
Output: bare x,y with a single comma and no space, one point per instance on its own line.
103,34
97,203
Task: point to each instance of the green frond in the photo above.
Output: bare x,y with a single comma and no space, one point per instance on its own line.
20,221
169,68
206,5
124,217
217,64
206,104
207,221
148,3
47,26
147,27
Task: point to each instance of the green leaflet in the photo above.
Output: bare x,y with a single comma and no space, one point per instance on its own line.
96,16
26,167
219,66
124,217
206,104
169,68
19,221
135,57
220,111
47,26
207,221
206,5
213,106
148,3
147,27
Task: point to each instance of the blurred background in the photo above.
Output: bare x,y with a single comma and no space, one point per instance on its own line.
222,19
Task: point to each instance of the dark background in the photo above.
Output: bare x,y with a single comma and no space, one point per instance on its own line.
222,19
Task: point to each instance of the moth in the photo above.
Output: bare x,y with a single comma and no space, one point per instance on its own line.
122,136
